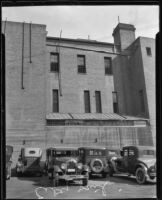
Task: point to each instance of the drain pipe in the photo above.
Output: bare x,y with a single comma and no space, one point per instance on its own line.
22,71
30,42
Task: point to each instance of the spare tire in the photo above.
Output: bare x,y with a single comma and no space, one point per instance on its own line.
96,165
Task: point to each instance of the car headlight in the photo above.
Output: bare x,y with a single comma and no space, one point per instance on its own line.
63,166
79,165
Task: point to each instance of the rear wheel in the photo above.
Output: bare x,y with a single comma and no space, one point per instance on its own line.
140,175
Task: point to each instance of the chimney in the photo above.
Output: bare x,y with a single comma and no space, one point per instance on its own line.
124,35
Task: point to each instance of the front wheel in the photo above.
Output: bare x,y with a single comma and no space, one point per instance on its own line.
85,181
140,176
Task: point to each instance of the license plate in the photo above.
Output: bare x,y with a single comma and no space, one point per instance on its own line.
71,170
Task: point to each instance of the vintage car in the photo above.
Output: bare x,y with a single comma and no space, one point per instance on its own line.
29,161
9,151
62,163
139,161
96,159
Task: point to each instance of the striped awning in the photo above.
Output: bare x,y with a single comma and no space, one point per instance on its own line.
91,116
58,116
97,116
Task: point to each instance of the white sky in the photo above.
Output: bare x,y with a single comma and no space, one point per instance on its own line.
80,21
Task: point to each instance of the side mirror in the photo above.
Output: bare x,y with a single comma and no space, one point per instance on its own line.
121,153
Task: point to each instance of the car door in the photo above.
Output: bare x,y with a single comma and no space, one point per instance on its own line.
122,163
131,160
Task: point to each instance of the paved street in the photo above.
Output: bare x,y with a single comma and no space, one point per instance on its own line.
98,188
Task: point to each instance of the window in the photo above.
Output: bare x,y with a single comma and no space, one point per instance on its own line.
55,101
148,50
54,58
108,66
115,102
81,64
98,102
142,103
87,101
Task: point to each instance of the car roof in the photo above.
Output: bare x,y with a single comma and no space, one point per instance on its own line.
92,147
141,147
62,148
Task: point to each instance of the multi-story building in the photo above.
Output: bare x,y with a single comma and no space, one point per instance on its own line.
78,92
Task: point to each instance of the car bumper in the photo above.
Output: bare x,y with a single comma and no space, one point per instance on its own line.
72,177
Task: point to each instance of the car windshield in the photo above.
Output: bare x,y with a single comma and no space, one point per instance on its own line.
148,153
96,152
65,153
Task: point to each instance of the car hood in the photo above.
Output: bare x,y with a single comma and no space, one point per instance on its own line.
148,161
66,159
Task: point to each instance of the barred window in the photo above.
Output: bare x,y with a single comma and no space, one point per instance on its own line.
81,64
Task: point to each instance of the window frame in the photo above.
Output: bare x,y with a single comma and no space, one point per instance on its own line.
81,68
87,104
98,108
108,70
53,103
55,68
115,103
148,51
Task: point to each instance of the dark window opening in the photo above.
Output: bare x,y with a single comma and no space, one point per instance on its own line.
142,103
55,101
148,50
54,59
108,65
87,102
81,64
115,102
98,102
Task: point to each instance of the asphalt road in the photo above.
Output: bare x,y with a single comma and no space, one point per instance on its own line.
120,187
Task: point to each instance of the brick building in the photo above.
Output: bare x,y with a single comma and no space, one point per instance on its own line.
78,92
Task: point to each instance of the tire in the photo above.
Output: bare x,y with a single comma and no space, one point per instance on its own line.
152,177
85,181
92,165
140,176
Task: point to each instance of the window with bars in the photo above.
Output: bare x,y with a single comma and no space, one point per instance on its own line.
54,60
108,65
98,102
55,101
87,101
142,103
115,102
81,64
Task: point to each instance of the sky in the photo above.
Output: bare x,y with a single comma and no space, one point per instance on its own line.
95,22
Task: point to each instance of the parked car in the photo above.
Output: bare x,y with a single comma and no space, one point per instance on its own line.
96,159
62,163
136,160
29,161
9,151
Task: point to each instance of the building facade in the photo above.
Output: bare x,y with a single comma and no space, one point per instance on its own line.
78,92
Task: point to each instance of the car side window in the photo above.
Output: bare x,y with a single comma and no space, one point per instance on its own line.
125,152
131,152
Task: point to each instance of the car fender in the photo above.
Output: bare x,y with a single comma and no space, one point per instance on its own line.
85,168
57,168
141,165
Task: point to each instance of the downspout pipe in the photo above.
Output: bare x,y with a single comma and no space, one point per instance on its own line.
22,71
